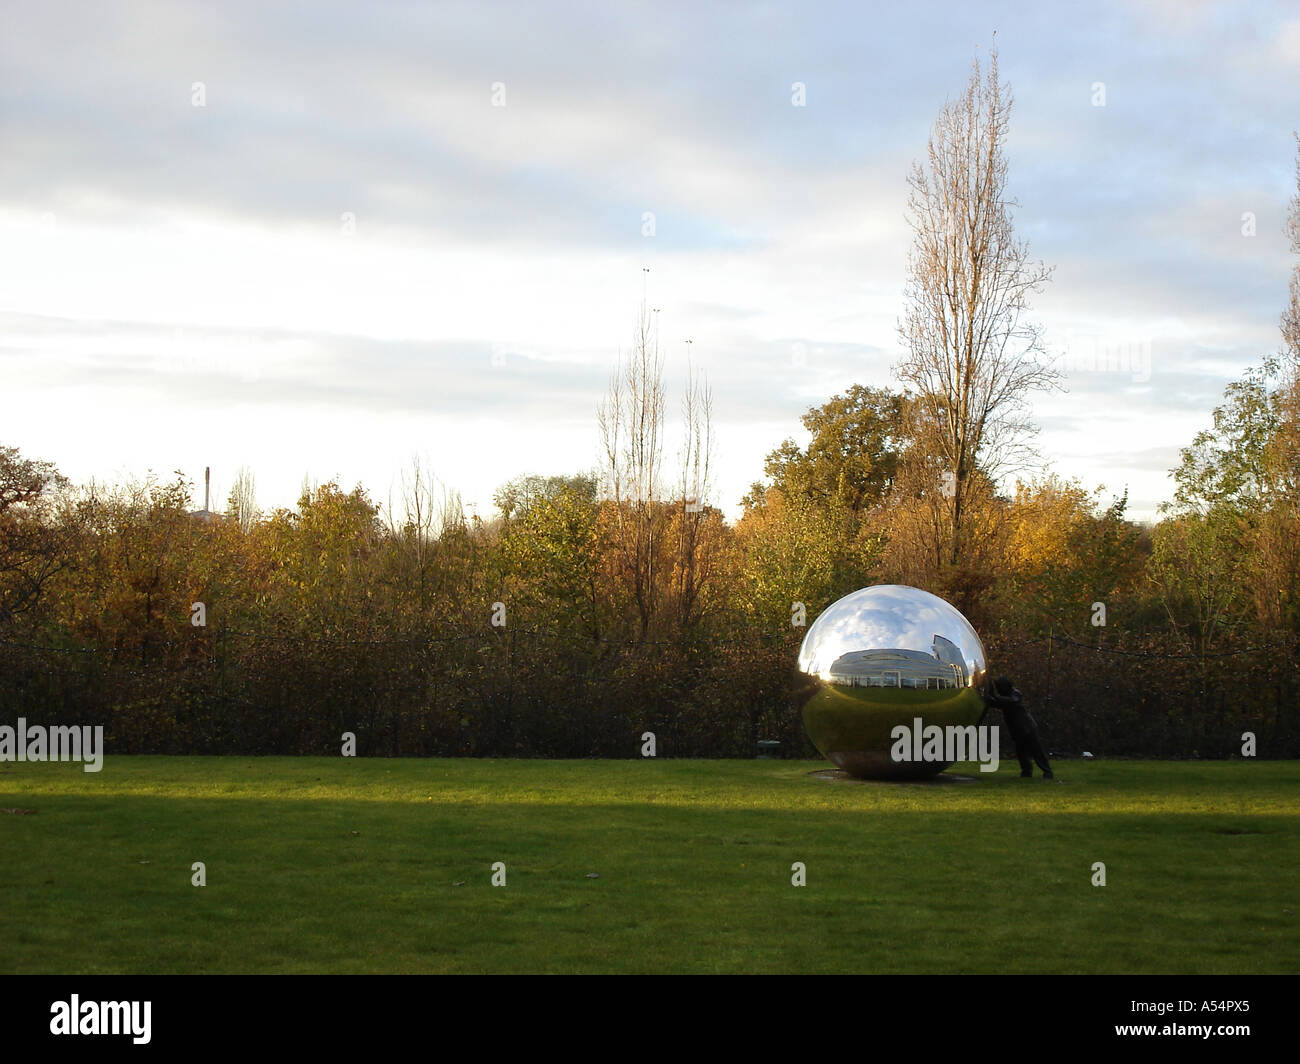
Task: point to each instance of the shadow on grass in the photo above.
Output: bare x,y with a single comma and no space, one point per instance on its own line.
101,882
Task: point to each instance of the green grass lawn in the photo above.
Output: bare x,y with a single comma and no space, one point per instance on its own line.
348,865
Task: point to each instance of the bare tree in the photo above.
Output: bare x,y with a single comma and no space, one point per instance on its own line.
1291,315
430,514
695,556
1277,542
241,504
697,448
632,417
970,355
631,421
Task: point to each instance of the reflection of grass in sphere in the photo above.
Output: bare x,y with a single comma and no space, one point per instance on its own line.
847,721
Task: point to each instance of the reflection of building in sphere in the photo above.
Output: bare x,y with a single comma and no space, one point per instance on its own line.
950,654
895,667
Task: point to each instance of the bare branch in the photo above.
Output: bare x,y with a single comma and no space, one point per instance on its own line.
971,356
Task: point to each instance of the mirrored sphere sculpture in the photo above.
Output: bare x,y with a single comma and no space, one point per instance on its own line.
882,657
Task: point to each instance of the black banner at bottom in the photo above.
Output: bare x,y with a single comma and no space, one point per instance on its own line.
336,1013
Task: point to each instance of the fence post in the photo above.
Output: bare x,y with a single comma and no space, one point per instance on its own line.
1047,702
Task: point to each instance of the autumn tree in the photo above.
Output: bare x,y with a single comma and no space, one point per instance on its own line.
971,357
135,577
1066,550
913,533
33,542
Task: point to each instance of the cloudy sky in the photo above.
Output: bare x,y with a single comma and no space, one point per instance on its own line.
318,239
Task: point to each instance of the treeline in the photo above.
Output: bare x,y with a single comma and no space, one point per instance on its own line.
596,607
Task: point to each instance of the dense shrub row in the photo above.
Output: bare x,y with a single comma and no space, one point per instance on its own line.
506,694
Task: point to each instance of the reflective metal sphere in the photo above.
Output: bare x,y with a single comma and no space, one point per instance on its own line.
882,657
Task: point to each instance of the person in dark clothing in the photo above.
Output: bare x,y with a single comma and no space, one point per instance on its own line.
1022,727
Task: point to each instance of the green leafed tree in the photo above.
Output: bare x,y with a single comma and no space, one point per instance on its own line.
852,457
789,552
319,558
1234,517
1231,463
549,553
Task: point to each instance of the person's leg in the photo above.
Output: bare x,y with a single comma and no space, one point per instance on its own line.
1023,754
1040,755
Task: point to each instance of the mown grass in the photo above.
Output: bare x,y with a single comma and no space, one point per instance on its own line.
348,865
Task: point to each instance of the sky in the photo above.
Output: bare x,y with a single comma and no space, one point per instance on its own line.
323,240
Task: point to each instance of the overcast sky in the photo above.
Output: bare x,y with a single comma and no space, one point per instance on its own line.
317,239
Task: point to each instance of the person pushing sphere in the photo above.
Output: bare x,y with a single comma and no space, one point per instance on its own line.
1022,727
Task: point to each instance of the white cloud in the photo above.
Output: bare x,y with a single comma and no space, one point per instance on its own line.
195,266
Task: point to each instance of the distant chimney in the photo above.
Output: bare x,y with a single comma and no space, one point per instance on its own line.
206,515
